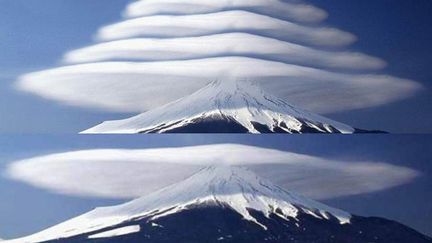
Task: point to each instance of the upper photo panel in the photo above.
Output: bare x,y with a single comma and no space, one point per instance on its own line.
215,66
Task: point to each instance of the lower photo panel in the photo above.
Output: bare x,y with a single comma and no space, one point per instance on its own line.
216,188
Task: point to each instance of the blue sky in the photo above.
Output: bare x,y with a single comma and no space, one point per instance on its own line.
399,32
409,203
33,36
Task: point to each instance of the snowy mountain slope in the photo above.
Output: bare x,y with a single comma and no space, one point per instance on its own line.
216,223
232,187
116,232
224,204
236,106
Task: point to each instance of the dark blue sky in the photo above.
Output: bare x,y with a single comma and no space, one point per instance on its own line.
409,204
399,32
34,36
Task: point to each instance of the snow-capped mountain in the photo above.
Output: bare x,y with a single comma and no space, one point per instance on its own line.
232,107
224,204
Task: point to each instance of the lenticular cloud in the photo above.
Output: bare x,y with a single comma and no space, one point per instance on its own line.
165,50
137,86
229,44
116,173
169,26
289,9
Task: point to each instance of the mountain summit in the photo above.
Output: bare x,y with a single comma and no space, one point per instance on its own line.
230,107
224,204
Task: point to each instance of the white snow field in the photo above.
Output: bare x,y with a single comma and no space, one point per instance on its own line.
116,232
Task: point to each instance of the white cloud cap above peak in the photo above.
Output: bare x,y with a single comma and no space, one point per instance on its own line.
122,173
140,86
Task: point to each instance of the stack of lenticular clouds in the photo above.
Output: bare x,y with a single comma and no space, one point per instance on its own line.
164,50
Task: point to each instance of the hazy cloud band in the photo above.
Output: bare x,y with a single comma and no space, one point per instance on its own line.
117,173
